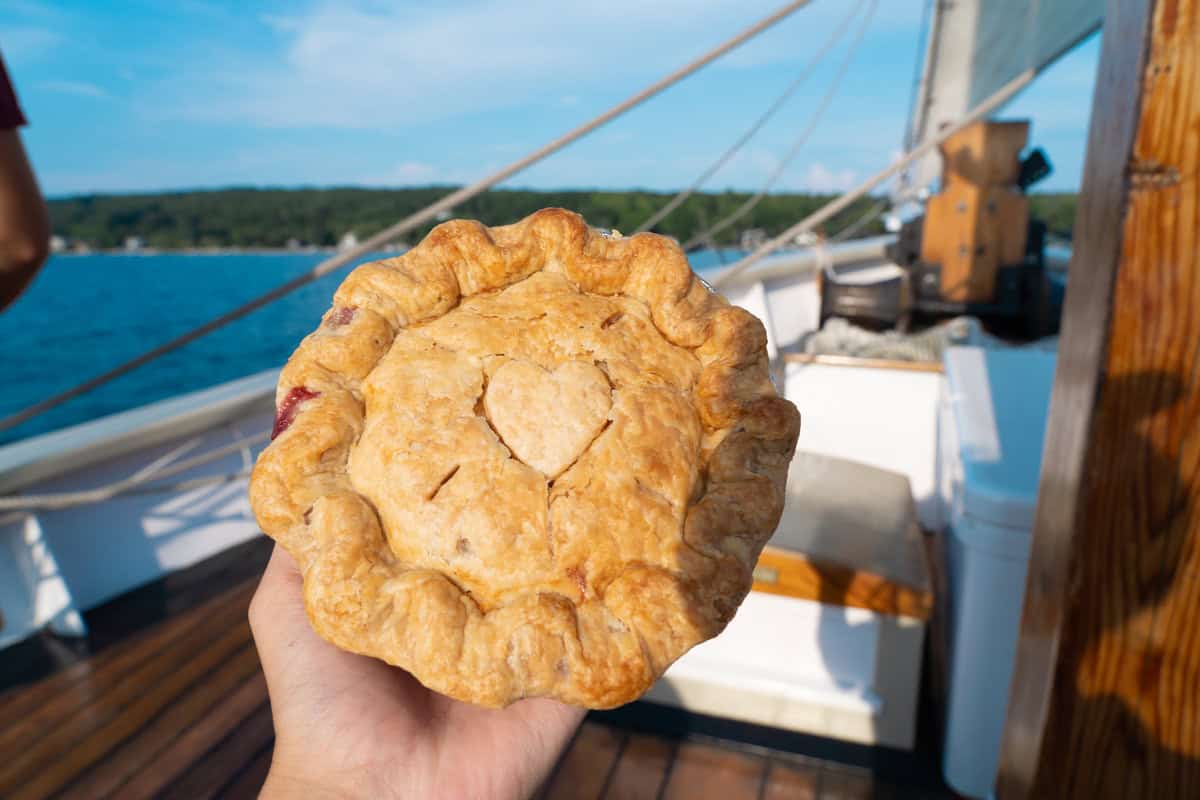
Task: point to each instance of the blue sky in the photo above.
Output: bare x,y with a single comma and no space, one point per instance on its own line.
136,95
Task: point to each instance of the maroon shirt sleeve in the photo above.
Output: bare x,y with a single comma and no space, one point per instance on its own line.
10,110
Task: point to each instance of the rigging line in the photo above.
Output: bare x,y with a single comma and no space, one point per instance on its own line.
57,500
993,101
79,498
412,221
778,103
829,210
917,104
914,92
813,121
711,244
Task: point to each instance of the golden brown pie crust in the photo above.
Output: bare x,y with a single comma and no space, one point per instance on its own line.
531,460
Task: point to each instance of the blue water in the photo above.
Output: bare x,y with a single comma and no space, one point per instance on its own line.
86,314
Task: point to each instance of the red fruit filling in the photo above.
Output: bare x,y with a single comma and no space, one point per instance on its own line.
290,406
341,316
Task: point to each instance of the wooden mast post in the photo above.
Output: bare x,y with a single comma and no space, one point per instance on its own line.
1106,691
980,219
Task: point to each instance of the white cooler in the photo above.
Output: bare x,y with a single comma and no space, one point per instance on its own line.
991,427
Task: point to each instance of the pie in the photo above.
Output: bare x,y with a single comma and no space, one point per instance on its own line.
529,460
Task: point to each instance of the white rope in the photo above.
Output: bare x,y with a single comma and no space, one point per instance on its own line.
754,128
746,207
412,221
138,483
143,489
829,210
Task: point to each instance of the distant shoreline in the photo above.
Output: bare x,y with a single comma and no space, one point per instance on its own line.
313,221
263,221
217,251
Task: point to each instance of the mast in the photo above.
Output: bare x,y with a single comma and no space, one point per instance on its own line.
1106,689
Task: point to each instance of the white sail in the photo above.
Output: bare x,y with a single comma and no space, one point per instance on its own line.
977,46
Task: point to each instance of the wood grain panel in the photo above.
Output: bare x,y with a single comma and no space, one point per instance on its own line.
1106,699
791,574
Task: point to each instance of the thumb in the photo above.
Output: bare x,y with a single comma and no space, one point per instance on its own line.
277,616
296,661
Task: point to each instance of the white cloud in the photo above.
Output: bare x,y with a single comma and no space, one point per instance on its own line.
820,178
750,169
27,43
368,65
78,88
30,31
419,173
410,173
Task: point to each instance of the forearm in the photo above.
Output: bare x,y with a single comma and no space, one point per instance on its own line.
24,222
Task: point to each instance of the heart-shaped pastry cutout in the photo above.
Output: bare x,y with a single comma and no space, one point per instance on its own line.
548,419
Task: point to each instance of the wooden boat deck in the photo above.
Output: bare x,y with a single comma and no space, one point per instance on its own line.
179,708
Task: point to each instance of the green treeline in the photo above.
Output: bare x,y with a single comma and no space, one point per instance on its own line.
1056,210
274,217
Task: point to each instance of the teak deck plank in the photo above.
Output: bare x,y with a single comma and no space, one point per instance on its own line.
206,777
141,748
103,724
63,693
199,739
705,772
791,782
642,768
584,769
247,784
838,785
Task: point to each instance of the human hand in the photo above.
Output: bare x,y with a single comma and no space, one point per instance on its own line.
351,726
